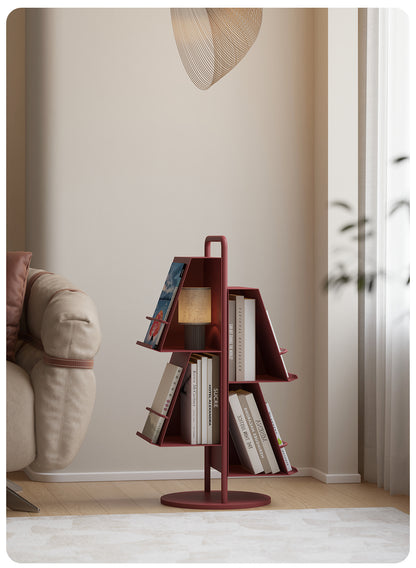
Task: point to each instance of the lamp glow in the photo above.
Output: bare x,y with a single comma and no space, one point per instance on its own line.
194,311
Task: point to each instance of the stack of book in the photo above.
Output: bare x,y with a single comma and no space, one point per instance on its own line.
200,400
250,437
241,338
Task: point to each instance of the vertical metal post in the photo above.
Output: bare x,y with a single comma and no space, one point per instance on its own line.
224,362
207,469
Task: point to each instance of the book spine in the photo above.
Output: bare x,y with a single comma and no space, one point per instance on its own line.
199,402
204,400
209,406
162,401
171,391
157,429
249,339
279,440
188,405
254,433
231,340
242,438
215,399
239,338
194,404
258,421
153,427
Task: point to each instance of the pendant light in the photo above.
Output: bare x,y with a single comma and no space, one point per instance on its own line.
212,41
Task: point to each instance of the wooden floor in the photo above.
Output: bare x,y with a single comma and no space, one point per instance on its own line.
124,497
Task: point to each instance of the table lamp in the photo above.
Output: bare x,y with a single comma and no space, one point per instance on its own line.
194,311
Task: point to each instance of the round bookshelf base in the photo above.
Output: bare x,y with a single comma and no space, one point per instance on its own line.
212,500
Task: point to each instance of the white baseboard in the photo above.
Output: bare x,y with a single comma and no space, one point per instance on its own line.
73,476
334,477
69,476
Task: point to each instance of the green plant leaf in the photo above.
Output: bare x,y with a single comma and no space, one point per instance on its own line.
348,227
361,281
399,204
342,204
400,159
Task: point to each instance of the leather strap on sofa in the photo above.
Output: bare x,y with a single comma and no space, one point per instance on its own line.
68,363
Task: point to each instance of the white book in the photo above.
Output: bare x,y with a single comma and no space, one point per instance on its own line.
258,421
249,339
189,406
198,359
241,436
279,439
204,400
239,338
231,339
162,401
215,399
209,399
253,431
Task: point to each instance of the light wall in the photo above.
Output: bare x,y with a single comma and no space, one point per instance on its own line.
128,165
342,186
321,240
336,179
16,131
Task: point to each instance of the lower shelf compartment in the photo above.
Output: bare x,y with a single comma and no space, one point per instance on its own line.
212,500
239,471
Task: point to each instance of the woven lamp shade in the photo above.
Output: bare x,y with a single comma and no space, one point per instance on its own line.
212,41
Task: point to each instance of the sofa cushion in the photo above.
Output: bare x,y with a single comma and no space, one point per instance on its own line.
17,270
62,323
21,445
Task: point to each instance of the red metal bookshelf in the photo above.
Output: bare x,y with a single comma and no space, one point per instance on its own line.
213,272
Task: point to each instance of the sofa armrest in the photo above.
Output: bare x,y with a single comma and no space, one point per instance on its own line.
62,328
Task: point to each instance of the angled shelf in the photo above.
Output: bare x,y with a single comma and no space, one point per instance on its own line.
208,271
269,361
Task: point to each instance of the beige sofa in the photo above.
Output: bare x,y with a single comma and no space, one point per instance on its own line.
51,382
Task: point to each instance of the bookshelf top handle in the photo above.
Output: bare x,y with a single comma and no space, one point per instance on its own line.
217,239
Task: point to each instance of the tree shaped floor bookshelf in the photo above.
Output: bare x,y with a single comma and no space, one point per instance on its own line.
209,271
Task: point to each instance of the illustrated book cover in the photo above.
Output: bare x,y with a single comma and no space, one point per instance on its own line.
164,304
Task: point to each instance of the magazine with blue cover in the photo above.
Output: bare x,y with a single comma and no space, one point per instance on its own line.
164,304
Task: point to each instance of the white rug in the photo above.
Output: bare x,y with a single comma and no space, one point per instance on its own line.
305,535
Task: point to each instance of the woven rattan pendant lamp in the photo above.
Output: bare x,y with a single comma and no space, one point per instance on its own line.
211,41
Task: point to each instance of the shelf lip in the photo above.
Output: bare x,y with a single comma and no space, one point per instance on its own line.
166,444
265,379
145,438
242,288
176,350
189,350
172,444
157,413
158,320
143,344
245,473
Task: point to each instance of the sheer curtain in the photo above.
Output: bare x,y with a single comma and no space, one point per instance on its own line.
384,252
